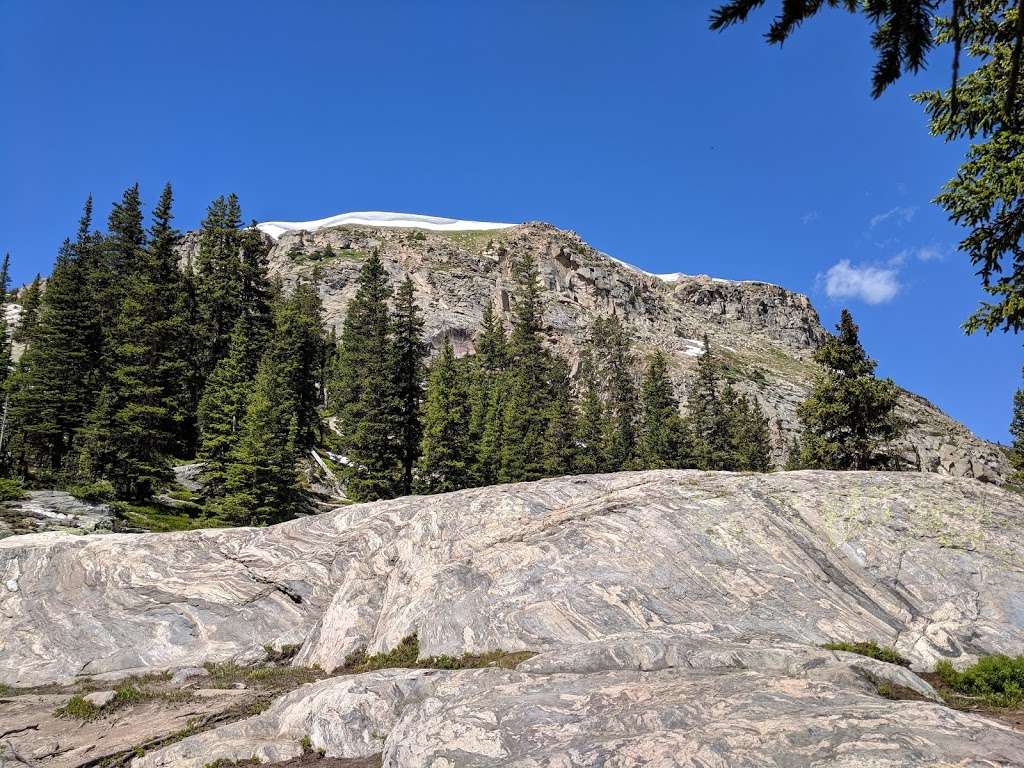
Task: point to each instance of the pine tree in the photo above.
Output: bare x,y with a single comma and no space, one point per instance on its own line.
590,428
225,398
1017,433
116,259
410,351
262,483
849,418
169,330
54,385
559,448
30,301
707,416
5,277
620,396
793,456
524,421
490,364
5,336
446,459
219,273
364,393
749,437
664,442
129,435
303,329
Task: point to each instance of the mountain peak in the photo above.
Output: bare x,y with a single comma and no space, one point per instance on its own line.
381,219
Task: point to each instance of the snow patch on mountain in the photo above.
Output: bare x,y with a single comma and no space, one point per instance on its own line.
380,219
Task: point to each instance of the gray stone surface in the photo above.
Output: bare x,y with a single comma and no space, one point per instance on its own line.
42,511
927,563
766,332
792,706
677,614
100,698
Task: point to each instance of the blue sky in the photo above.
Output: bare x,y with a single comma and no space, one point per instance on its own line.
667,145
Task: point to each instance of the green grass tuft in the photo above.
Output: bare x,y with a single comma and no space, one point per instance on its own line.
406,655
78,708
870,649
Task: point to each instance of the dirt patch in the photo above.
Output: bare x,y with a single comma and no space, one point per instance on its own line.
313,760
1012,717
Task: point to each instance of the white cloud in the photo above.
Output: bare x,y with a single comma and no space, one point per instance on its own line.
873,285
929,253
924,253
899,214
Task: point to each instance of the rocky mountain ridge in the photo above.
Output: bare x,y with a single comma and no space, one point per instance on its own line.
764,333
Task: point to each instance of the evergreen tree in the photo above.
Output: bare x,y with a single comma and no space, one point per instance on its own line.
219,272
524,421
487,397
749,436
5,336
707,416
169,332
262,483
410,350
54,386
446,459
128,435
664,443
30,302
224,400
116,259
621,404
559,448
303,329
1017,432
849,418
793,456
5,278
590,429
364,393
487,464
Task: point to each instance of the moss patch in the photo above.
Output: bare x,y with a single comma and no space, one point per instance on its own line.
406,655
870,649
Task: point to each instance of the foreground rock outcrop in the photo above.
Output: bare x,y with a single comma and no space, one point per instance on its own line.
929,564
654,700
676,614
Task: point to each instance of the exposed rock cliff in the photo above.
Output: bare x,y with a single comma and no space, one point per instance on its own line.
764,333
675,611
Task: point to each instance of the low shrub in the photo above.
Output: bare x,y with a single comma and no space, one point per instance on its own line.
11,489
870,649
78,708
996,680
99,492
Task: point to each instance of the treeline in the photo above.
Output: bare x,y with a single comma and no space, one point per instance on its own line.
136,358
133,359
509,411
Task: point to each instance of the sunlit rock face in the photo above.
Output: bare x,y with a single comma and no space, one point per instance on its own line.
677,617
